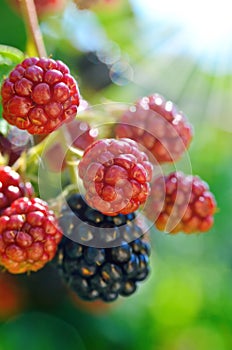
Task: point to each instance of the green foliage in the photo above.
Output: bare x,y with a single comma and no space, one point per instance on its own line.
9,57
26,330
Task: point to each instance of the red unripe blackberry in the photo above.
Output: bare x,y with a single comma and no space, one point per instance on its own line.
12,187
39,95
29,235
81,134
181,203
157,125
116,176
101,273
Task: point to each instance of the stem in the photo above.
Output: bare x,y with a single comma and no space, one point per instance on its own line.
32,26
71,156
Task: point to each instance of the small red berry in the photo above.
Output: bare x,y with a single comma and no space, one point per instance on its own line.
81,134
181,203
12,187
43,7
29,235
85,4
116,176
39,95
157,125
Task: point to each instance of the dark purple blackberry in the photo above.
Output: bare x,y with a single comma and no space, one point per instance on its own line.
102,273
88,226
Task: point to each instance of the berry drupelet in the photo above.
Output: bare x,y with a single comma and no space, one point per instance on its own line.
157,125
101,273
39,95
181,203
29,235
116,176
12,187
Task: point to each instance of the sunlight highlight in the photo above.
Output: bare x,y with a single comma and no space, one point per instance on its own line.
205,27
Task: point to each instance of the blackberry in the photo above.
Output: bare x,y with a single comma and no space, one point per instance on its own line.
112,268
102,273
88,226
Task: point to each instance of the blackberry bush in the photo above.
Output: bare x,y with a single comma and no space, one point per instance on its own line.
97,242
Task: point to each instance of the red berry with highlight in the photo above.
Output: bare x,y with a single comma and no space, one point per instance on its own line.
116,176
29,235
12,187
157,125
181,203
39,95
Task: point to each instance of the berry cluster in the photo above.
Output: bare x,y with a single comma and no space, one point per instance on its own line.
95,240
101,273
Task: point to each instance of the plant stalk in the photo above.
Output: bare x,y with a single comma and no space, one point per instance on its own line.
29,13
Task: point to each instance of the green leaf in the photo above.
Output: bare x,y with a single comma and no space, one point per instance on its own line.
9,58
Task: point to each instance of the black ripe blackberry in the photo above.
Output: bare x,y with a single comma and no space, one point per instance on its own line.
102,273
88,226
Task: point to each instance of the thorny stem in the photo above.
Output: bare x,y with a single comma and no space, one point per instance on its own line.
32,26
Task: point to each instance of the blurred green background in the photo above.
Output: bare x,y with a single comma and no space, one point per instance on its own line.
121,51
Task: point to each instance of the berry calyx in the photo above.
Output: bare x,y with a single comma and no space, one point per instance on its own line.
157,125
39,95
116,176
12,187
29,235
181,203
